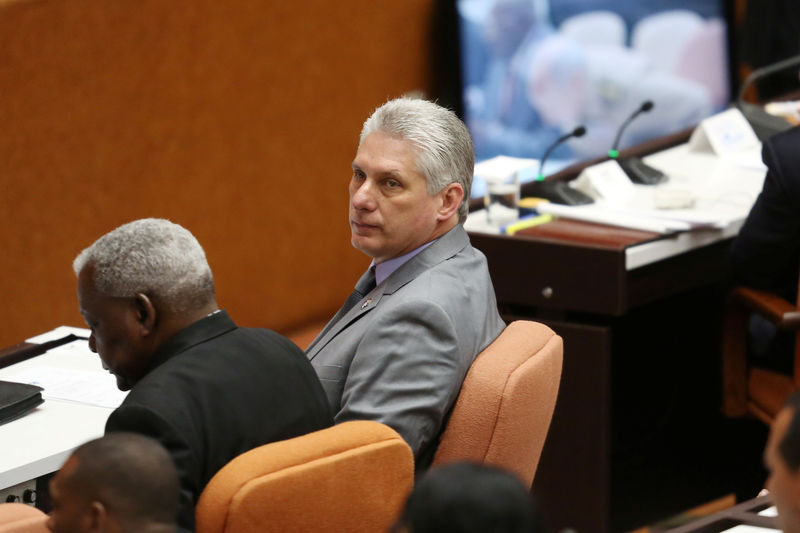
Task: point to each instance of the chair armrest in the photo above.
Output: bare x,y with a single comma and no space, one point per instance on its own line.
780,312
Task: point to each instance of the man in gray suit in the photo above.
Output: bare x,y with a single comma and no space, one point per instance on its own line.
398,352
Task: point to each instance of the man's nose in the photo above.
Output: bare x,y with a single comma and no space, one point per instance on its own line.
363,196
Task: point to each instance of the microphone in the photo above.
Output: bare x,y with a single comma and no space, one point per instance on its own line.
764,124
558,192
763,72
637,170
580,131
646,106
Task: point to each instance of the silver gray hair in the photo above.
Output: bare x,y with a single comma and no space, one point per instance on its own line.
444,148
151,256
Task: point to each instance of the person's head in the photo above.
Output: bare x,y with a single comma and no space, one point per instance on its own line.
122,482
466,498
782,459
138,285
558,81
411,177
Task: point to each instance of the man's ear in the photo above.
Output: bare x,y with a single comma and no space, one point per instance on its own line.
451,197
145,313
97,518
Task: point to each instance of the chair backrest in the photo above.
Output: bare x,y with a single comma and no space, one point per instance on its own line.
352,477
21,518
503,412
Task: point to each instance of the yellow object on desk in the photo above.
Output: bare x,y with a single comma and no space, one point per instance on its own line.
511,229
531,202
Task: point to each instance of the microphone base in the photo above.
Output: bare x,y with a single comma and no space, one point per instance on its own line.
557,192
640,172
764,125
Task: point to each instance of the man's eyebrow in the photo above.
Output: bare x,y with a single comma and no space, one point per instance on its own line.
391,173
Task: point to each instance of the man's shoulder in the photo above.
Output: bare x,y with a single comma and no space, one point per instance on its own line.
243,343
784,145
466,264
243,362
253,352
788,137
458,284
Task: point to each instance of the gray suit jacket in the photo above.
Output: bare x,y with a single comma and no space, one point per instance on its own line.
399,356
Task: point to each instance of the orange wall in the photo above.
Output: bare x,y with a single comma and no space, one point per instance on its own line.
235,118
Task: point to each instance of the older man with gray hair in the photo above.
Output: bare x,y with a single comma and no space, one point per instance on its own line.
203,387
398,350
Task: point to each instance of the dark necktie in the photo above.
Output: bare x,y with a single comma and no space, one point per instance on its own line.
364,285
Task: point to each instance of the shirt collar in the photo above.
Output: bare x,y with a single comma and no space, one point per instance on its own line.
385,269
213,325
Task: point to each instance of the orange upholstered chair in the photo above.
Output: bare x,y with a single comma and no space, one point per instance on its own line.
21,518
352,477
503,412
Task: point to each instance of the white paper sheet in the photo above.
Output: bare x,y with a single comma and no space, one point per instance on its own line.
79,386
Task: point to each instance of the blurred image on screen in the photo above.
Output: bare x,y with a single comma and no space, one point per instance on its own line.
533,70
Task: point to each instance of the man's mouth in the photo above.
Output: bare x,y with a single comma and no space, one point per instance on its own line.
361,227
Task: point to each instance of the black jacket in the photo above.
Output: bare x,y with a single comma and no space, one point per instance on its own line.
216,390
766,254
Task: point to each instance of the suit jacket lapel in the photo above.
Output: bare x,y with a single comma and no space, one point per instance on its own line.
444,248
341,320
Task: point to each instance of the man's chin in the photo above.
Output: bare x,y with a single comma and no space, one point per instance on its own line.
122,383
361,244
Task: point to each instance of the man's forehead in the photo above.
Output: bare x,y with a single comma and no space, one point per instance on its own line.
385,153
66,471
87,293
86,279
390,142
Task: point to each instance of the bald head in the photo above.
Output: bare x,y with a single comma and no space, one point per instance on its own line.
124,481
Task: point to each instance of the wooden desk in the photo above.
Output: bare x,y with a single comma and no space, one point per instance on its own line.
638,342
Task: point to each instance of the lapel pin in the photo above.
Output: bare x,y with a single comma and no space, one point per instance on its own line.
366,303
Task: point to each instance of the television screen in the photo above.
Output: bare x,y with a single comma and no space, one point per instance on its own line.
533,70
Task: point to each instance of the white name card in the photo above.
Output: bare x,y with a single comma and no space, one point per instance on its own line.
724,134
607,181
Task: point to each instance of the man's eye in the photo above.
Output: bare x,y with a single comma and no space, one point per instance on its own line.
358,175
392,184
